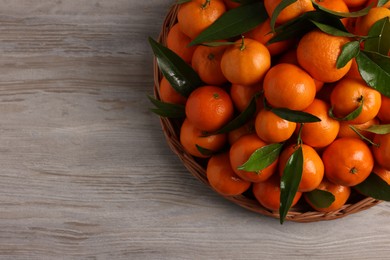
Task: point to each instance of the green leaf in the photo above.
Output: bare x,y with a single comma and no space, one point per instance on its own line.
302,24
382,2
217,44
320,198
351,116
356,130
182,1
241,119
233,23
289,182
342,14
379,37
167,109
262,158
375,70
179,74
283,4
331,30
379,129
204,151
295,115
349,51
375,187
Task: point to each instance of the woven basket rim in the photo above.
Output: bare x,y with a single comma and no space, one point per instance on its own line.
170,130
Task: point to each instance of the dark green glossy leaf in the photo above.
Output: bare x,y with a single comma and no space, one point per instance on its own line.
379,129
167,109
342,14
331,30
204,151
283,4
354,114
262,158
216,44
375,70
295,116
382,2
179,74
289,182
320,198
241,119
375,187
302,24
349,51
233,23
379,37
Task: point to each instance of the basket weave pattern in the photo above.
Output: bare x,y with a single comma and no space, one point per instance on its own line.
171,127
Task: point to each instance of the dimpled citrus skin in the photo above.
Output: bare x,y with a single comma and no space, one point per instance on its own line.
245,62
317,53
288,86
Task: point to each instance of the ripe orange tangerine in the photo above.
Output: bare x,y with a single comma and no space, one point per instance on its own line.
240,152
191,137
286,85
245,62
348,161
340,192
273,129
267,193
222,177
347,96
323,133
209,108
313,167
318,52
381,151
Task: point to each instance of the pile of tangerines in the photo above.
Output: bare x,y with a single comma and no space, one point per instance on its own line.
291,75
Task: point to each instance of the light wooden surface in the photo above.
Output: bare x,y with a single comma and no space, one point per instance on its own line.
85,172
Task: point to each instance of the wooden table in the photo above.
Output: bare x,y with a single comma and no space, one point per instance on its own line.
85,170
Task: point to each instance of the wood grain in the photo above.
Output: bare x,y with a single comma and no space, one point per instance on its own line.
85,170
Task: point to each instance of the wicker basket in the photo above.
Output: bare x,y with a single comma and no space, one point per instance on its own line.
300,213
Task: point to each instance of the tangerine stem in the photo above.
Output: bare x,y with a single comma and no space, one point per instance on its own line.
299,139
206,4
242,47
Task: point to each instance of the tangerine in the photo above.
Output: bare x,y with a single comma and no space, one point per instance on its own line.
384,110
272,128
348,161
178,42
240,152
242,95
382,173
349,94
323,133
245,62
286,85
193,139
381,150
196,15
222,177
206,61
290,12
267,193
318,52
169,94
263,34
340,192
313,167
364,23
209,108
